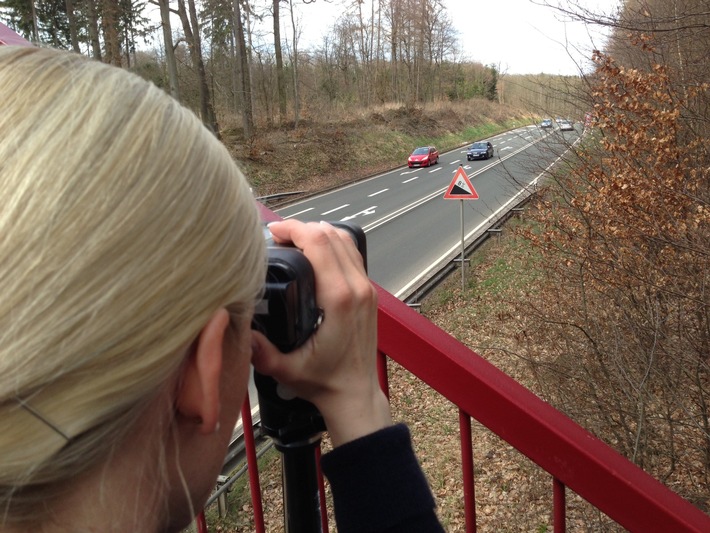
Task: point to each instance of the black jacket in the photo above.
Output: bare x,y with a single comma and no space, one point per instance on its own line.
378,485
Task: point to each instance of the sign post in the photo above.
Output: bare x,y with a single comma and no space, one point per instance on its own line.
461,189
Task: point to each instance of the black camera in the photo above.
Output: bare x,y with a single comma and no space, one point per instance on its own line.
287,314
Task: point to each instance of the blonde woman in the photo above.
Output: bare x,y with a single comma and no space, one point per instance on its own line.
131,257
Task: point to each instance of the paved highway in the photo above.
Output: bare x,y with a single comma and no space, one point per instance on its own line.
411,229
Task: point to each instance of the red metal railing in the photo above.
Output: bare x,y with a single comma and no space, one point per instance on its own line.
573,457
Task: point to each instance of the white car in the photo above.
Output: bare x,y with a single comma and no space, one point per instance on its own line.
565,125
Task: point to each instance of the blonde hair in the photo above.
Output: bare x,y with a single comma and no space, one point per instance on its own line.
124,225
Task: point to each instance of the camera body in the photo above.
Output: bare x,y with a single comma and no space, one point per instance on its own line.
287,313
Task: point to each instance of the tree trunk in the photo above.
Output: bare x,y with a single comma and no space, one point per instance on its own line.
109,24
71,17
169,49
93,30
35,29
192,35
294,46
280,78
243,75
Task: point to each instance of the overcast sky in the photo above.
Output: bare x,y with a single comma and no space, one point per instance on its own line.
518,36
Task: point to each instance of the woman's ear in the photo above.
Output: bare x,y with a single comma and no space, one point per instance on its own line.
198,396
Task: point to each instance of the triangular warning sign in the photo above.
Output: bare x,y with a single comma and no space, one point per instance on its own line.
461,187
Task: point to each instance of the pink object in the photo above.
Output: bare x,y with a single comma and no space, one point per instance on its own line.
9,37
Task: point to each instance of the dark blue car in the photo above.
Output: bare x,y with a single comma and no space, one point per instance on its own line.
480,150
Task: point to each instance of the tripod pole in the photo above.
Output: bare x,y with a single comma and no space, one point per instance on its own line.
302,512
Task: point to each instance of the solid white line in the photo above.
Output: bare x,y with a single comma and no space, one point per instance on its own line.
376,193
334,210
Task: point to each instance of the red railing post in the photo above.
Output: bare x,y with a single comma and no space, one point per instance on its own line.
321,492
559,520
201,523
469,491
252,462
382,373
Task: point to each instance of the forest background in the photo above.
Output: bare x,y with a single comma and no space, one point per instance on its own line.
597,300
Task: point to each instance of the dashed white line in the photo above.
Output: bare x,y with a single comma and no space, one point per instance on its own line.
411,179
334,210
376,193
299,213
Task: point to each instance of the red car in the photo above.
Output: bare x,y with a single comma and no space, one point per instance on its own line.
423,157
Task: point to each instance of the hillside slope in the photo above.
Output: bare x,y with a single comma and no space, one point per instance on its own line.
320,155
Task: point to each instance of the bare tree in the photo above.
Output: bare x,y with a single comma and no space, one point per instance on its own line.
109,26
280,76
93,29
73,31
169,48
243,73
295,37
191,27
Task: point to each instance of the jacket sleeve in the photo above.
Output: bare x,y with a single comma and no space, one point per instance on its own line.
378,485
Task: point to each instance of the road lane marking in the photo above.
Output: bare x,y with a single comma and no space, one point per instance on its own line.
299,213
411,179
437,169
368,211
336,209
376,193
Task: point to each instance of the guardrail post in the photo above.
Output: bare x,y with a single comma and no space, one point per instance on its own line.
222,506
496,231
